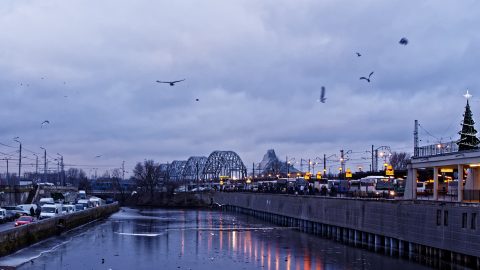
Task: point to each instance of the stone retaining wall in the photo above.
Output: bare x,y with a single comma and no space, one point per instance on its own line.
444,229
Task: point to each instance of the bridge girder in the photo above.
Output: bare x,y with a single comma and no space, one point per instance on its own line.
224,163
194,168
175,170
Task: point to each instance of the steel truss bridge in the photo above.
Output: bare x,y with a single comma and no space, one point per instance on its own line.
219,163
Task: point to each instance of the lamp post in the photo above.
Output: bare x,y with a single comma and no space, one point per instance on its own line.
44,164
385,152
62,178
288,163
19,157
36,166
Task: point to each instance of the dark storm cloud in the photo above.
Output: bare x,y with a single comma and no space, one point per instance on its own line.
256,68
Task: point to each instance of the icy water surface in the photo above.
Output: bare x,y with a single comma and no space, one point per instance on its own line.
174,239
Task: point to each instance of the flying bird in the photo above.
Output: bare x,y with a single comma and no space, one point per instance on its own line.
358,54
172,83
322,95
197,99
403,41
98,156
367,79
45,123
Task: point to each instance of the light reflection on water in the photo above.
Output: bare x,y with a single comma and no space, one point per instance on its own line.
190,239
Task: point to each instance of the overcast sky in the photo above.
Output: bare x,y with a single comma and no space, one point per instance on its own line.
256,67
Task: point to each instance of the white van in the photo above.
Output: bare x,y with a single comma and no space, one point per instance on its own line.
96,202
3,215
50,210
86,203
27,207
82,194
46,200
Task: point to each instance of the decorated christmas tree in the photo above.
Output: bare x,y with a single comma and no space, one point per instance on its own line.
468,135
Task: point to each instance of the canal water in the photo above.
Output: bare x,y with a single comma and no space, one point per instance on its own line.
174,239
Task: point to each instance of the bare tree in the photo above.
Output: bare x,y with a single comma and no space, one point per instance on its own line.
399,160
147,176
74,176
117,183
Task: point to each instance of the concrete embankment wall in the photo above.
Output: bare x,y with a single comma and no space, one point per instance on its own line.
17,238
445,231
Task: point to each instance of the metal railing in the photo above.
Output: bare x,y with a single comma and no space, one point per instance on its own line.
436,149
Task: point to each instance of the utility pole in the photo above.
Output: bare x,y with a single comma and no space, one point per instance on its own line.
19,157
309,163
288,166
253,170
123,170
415,139
44,164
58,171
324,164
36,167
371,166
63,172
342,162
8,175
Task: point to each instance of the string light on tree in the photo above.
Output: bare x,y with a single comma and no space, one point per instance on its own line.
468,135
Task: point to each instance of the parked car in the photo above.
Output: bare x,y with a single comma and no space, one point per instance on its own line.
27,207
17,211
68,208
79,207
24,220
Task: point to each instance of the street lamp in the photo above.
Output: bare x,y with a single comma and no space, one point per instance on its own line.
62,178
19,157
385,152
44,164
289,162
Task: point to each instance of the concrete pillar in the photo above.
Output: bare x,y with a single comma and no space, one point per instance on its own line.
377,242
400,248
435,183
460,183
411,184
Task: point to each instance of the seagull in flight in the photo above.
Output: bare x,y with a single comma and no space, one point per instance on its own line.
367,79
358,54
197,99
322,95
403,41
172,83
45,123
98,156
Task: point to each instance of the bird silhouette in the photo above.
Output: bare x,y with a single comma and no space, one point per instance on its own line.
367,79
403,41
358,54
197,99
322,95
98,156
45,123
172,83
